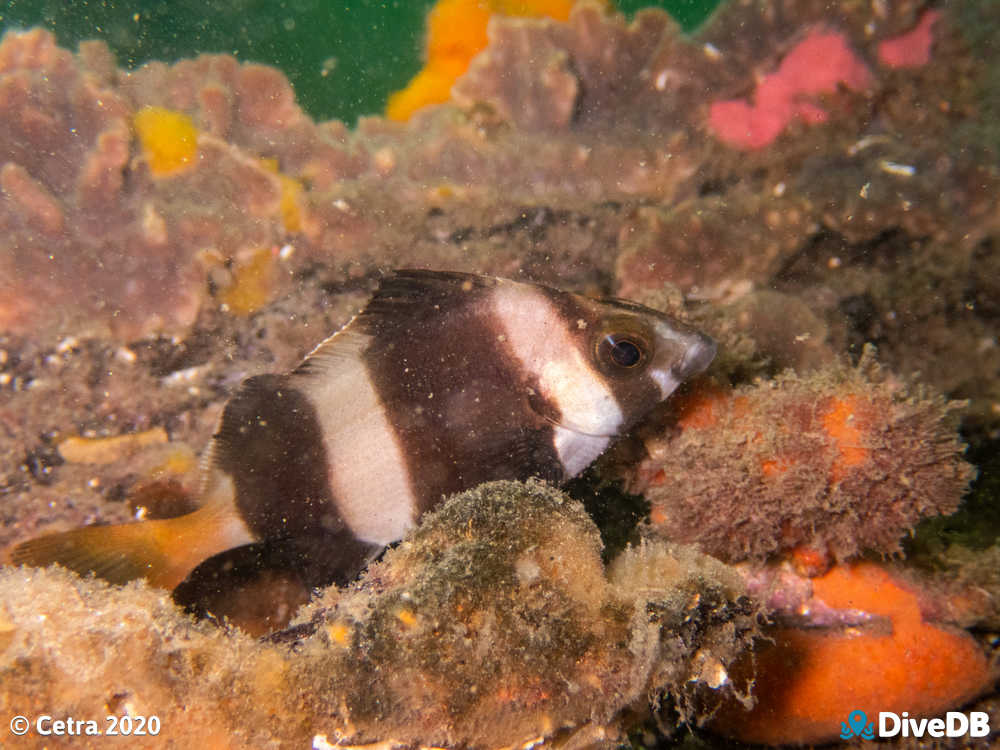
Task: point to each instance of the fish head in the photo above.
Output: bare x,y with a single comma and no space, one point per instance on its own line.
636,357
600,365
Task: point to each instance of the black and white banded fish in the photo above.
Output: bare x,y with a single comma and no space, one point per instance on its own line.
443,381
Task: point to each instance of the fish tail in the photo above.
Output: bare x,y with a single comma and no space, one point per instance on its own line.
163,551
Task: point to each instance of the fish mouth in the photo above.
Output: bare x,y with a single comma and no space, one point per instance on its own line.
701,351
574,429
698,352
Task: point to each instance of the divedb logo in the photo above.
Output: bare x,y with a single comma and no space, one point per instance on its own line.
954,724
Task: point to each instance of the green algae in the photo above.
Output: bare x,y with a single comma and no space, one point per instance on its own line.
976,523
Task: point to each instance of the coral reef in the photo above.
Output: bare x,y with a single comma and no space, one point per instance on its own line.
864,457
492,625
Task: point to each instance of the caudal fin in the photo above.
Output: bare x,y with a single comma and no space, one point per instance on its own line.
162,551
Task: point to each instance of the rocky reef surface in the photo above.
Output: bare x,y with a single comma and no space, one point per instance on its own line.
800,179
493,625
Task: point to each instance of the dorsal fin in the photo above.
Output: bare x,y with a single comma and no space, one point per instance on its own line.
343,349
402,299
413,294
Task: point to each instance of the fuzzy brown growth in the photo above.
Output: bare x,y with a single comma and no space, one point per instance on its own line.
843,460
493,624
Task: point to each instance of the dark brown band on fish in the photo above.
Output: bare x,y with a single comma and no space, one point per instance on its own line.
270,443
442,382
460,404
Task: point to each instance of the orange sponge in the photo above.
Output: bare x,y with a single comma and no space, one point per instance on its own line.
456,32
809,680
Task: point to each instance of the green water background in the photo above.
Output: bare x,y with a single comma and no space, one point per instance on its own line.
343,58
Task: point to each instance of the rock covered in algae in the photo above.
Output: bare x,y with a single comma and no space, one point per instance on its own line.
83,649
843,460
493,624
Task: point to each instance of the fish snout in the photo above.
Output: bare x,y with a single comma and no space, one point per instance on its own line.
682,353
700,352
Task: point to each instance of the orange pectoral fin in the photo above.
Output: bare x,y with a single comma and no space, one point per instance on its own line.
162,551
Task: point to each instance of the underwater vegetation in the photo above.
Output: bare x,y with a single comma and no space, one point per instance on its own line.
812,184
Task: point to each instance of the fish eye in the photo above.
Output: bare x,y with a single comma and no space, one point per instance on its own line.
622,351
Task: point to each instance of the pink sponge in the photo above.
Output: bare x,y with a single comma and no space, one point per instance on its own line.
816,65
912,49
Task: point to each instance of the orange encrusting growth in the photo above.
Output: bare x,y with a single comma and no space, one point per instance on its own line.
704,408
169,139
841,423
703,405
291,194
456,32
809,680
339,633
809,561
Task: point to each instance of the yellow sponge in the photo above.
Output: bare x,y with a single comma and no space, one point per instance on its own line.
169,139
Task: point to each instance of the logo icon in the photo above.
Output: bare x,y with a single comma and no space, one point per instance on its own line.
857,725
